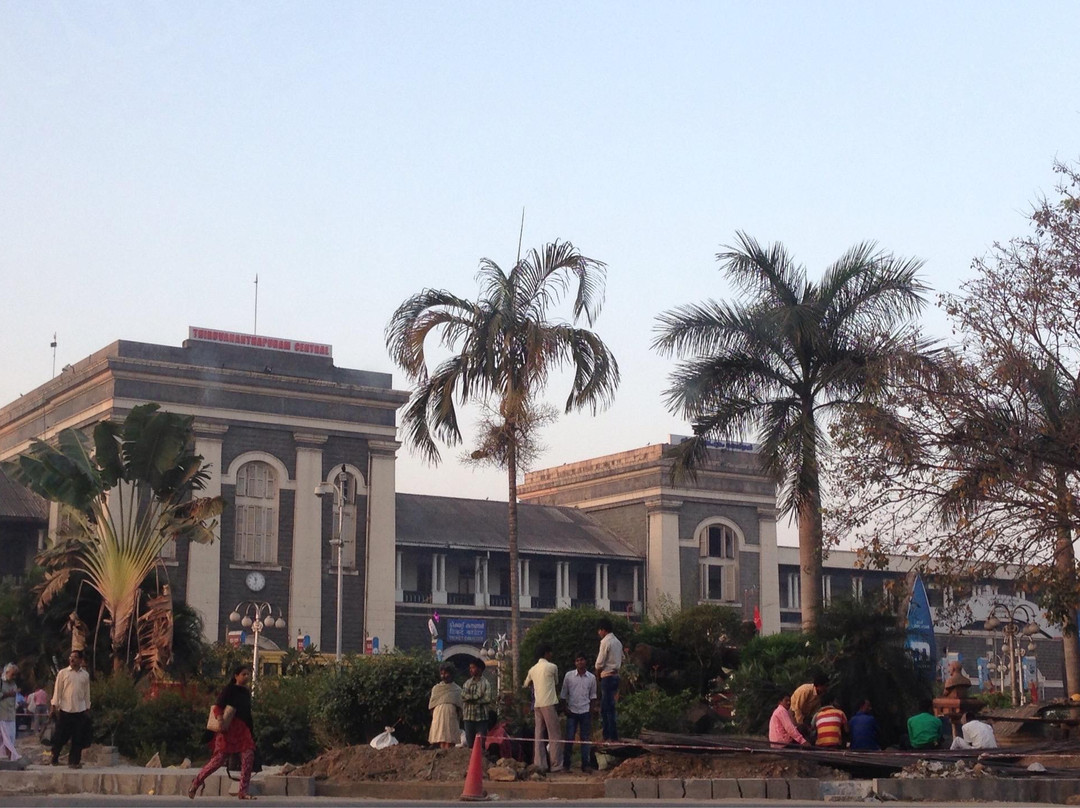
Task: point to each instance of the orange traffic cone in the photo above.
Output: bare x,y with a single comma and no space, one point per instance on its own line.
474,779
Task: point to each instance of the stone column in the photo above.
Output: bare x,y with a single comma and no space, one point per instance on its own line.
306,580
663,574
204,560
769,585
636,598
399,593
562,585
381,543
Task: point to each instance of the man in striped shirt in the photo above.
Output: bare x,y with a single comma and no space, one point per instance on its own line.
831,724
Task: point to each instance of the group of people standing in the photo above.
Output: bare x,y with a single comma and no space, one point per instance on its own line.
580,694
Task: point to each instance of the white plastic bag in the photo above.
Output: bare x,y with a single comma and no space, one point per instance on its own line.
384,739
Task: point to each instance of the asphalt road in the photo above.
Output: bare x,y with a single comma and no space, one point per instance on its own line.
103,801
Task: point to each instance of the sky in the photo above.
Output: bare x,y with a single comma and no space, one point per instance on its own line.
156,157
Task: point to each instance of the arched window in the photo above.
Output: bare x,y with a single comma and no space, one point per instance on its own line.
256,513
718,546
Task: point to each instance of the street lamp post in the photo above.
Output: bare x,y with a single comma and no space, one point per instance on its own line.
257,615
1014,621
339,493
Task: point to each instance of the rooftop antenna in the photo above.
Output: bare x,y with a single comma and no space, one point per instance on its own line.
53,346
521,233
255,328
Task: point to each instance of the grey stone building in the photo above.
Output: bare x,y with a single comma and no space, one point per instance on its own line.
274,418
712,540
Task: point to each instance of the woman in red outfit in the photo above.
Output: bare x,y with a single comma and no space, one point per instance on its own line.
237,738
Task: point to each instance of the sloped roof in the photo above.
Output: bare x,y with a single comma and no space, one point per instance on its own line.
18,502
481,525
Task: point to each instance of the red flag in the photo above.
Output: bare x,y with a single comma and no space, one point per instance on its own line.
757,618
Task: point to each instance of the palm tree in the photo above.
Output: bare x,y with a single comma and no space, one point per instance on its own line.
124,495
783,360
505,347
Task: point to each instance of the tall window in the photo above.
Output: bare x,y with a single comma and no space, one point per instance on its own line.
719,573
826,590
256,513
789,592
857,587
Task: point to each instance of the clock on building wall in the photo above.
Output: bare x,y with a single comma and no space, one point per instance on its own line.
255,581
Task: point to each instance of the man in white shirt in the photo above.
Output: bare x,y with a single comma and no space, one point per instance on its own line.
71,706
608,662
579,693
544,678
976,735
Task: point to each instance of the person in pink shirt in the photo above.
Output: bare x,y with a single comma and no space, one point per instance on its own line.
782,729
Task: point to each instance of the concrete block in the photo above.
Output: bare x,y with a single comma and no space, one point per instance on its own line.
276,786
619,789
886,787
727,789
698,789
89,782
126,785
300,786
751,789
846,789
670,789
646,789
776,788
804,788
174,785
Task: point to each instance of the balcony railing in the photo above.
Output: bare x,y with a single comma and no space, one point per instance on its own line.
415,597
460,599
543,603
622,606
499,600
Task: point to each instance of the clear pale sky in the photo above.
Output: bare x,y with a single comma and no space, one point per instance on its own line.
155,157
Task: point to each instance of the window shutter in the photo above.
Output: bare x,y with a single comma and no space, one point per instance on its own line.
729,587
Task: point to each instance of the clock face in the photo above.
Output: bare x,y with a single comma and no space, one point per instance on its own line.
255,581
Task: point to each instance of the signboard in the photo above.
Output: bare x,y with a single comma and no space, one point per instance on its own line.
469,632
235,638
259,341
375,645
920,641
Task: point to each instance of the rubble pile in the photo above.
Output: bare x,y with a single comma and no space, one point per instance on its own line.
959,769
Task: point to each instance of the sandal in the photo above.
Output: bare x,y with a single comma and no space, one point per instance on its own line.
246,797
195,790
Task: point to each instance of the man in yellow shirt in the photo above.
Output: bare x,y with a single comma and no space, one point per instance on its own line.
544,678
806,700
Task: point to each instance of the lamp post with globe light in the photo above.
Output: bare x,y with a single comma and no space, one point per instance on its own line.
1014,622
256,615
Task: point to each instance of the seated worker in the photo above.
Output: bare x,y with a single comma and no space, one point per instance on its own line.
782,730
925,730
806,700
830,724
864,729
976,735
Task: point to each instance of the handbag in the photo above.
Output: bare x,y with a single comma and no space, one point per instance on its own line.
216,723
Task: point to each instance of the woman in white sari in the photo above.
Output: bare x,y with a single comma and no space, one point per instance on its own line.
445,704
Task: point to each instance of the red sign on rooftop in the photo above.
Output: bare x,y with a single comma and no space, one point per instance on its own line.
259,341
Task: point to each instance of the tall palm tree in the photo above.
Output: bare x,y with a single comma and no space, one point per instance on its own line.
782,360
125,494
505,346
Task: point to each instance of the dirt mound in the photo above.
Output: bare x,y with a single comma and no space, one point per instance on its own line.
353,764
687,766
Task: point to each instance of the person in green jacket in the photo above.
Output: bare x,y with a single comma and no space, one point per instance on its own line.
925,730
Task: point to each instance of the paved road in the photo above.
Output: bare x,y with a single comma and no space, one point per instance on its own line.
100,801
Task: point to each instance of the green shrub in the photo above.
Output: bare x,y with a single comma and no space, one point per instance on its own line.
171,724
569,631
353,702
705,640
771,666
283,720
653,709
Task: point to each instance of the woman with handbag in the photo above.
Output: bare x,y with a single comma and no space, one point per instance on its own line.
230,721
